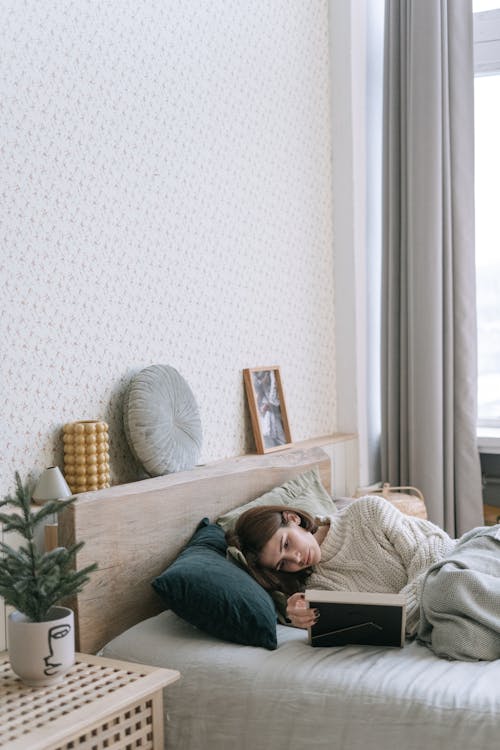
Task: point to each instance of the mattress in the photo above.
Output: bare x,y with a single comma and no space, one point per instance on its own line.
346,698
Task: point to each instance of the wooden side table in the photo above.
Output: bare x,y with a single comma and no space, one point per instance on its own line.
99,703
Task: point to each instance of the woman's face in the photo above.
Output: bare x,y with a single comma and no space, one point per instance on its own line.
291,548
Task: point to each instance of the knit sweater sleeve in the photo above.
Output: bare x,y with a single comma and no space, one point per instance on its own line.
417,542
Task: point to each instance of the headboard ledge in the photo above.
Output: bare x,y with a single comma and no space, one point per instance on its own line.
135,530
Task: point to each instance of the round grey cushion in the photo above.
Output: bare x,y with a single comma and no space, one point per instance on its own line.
162,421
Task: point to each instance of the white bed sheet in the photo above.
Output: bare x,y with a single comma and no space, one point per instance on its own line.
347,698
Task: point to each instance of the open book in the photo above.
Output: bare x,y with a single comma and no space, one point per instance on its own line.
357,617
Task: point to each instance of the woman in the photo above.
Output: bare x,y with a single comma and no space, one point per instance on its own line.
370,546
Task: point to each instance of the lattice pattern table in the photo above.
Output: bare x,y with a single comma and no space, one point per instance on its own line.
100,704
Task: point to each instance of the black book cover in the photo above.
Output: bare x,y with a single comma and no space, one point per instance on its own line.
357,618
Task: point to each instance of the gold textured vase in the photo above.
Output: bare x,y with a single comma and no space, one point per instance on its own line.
86,455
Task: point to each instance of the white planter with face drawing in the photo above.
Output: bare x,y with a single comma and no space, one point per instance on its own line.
41,653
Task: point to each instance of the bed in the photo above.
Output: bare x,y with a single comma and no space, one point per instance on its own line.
291,696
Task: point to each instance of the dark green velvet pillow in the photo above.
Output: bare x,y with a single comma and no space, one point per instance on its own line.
213,593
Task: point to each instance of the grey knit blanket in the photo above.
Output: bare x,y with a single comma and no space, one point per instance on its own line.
460,603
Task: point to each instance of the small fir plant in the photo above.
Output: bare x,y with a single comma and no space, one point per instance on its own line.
30,580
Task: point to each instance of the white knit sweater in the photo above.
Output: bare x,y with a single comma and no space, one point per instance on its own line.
372,546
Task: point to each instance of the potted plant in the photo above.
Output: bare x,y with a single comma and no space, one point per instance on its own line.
35,583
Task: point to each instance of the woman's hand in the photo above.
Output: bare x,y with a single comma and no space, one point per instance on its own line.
298,612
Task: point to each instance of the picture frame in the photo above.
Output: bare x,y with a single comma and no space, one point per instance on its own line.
266,402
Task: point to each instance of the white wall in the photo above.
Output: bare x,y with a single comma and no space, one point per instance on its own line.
356,32
166,198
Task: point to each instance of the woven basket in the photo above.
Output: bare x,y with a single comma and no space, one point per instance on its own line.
408,500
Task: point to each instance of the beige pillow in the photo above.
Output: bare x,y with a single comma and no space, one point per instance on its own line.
305,492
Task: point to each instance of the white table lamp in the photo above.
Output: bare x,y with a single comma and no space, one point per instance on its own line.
51,486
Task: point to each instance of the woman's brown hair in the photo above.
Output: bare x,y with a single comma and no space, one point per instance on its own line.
252,531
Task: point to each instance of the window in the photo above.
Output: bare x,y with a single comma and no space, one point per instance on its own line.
487,158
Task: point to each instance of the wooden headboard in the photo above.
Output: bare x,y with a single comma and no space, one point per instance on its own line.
133,531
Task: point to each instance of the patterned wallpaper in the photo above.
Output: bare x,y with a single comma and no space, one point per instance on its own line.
165,198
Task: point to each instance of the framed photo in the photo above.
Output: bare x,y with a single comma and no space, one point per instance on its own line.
266,402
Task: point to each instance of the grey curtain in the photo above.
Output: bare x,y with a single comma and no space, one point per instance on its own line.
429,363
